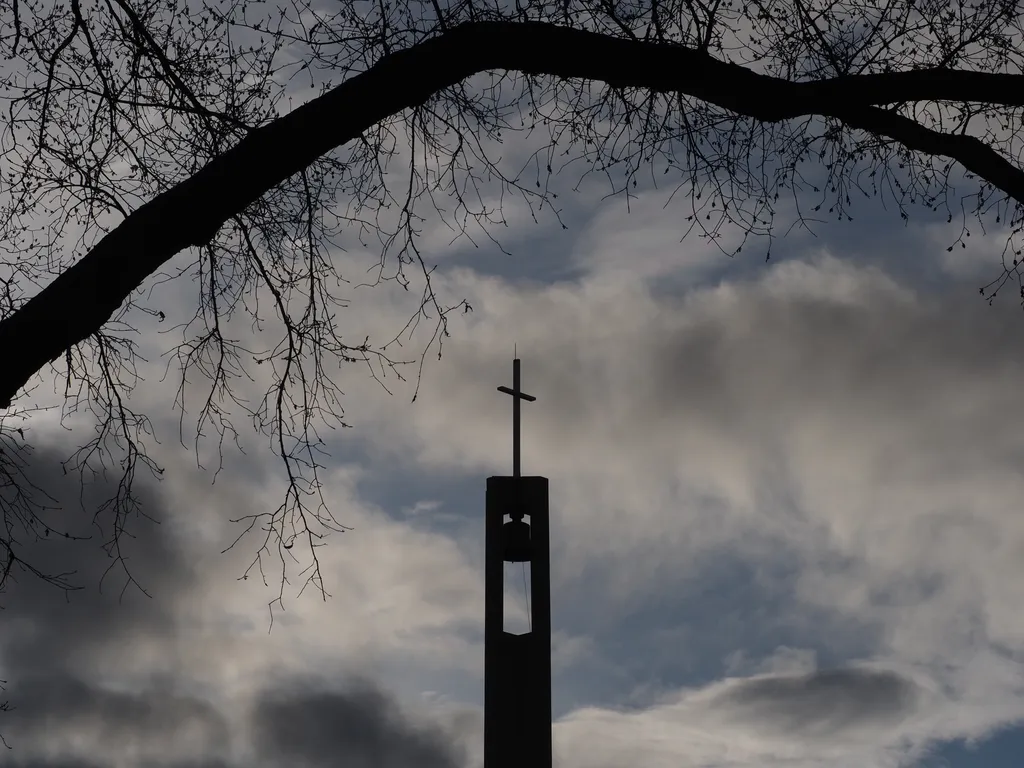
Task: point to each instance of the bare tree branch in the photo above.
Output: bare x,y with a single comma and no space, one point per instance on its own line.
80,300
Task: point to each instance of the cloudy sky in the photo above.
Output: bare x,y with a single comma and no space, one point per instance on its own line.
785,520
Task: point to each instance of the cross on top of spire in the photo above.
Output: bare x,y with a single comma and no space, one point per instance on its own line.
517,395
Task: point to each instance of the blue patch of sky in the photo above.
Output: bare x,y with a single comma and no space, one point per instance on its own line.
536,253
684,636
1004,749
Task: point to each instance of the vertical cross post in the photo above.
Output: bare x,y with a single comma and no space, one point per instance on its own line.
517,395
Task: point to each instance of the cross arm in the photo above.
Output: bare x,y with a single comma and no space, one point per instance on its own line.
509,391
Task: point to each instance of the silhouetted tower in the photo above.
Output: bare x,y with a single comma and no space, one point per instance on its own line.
517,668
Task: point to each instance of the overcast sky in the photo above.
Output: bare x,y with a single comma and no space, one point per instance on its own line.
785,504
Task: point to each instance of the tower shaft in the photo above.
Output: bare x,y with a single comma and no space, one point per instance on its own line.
517,668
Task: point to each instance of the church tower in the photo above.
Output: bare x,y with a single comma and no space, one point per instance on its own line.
517,668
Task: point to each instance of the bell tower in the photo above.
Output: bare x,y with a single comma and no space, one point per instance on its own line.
517,668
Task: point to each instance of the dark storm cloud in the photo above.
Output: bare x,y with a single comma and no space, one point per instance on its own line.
45,627
76,763
49,637
359,728
822,702
57,763
48,705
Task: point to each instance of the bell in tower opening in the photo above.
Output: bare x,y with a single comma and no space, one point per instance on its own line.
516,546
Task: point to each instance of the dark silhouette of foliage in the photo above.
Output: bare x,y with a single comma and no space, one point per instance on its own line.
153,127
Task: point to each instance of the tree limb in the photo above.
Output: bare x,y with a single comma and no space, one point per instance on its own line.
79,301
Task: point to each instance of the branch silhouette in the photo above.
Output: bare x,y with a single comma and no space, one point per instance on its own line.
78,302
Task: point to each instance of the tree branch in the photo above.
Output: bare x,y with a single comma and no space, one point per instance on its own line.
79,301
